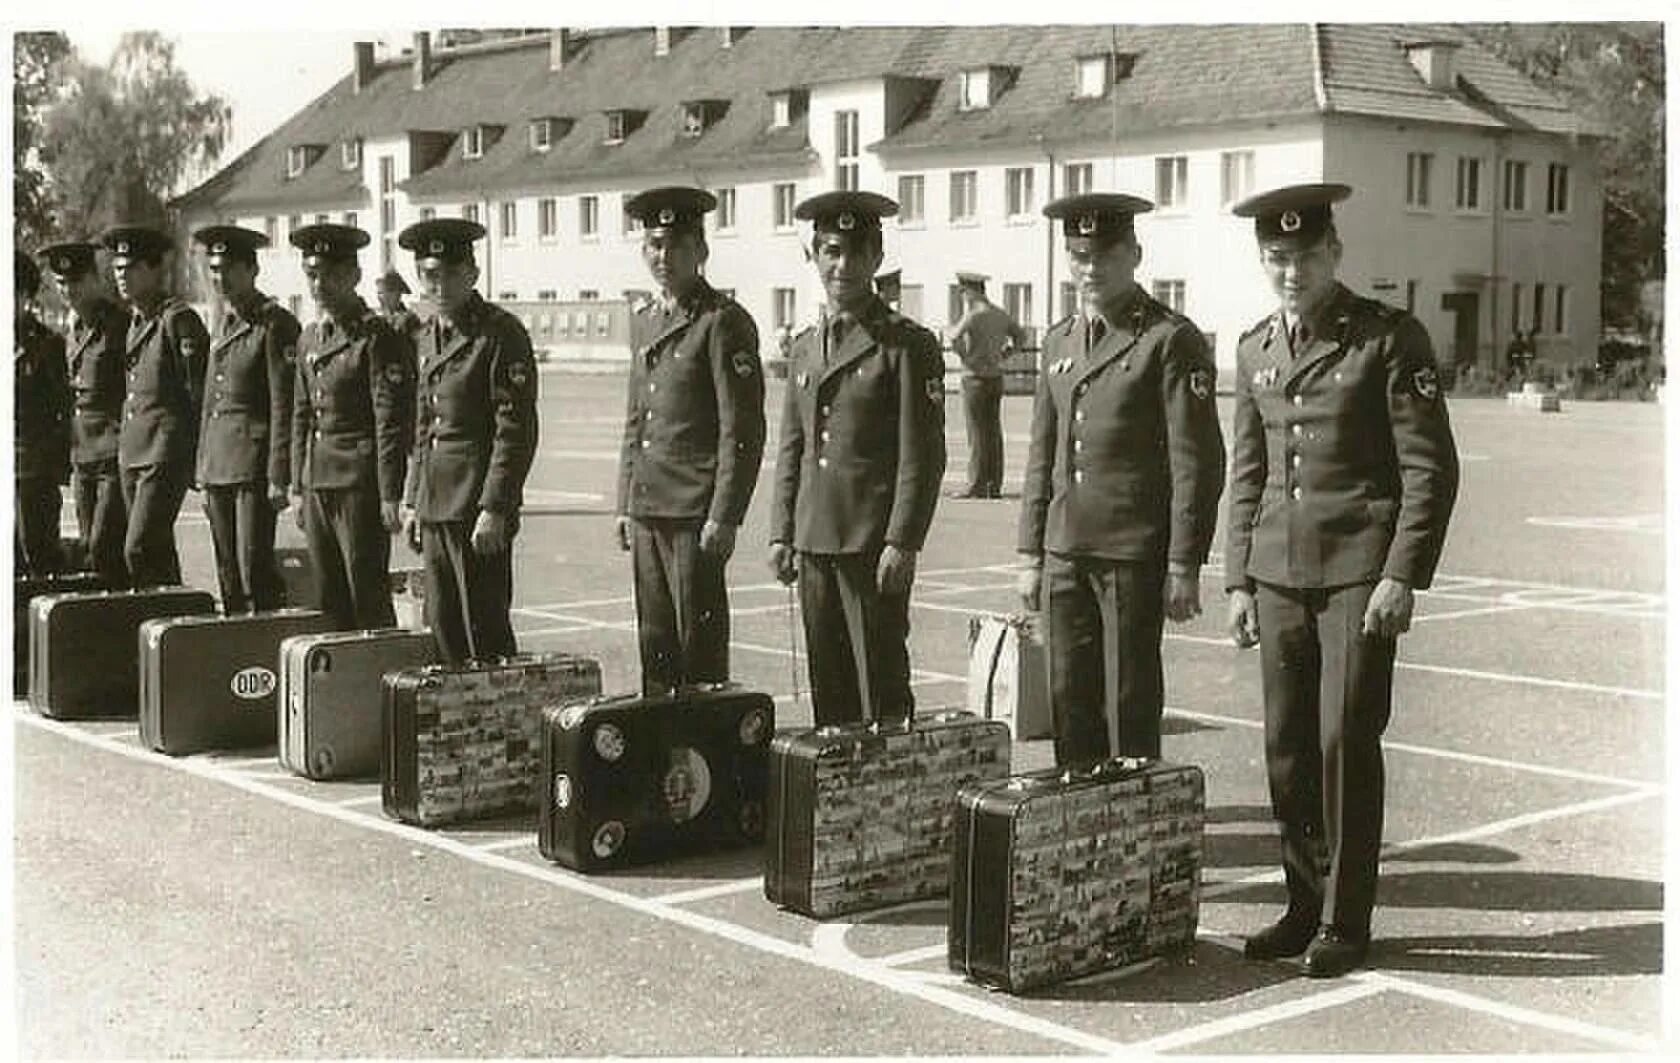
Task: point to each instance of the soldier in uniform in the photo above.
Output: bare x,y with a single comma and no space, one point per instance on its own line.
693,439
890,287
1343,475
981,339
858,471
475,438
350,406
98,338
245,453
390,289
41,445
1121,490
156,447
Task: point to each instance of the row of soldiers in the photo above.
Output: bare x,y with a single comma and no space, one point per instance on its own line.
359,426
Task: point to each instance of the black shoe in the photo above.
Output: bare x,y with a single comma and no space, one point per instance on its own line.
1289,936
967,492
1335,953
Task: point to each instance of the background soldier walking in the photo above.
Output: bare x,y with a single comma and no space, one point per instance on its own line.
41,451
982,338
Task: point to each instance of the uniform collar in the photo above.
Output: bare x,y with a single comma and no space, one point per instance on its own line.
248,308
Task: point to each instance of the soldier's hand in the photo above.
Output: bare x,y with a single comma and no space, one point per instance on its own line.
1389,612
781,563
297,510
1244,619
717,539
1029,583
1184,596
278,500
490,533
411,528
621,532
896,570
390,515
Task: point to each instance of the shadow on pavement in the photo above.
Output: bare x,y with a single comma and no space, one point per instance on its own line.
1209,973
1491,891
1629,949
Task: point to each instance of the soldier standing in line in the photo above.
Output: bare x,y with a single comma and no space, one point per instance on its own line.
1121,490
858,470
693,439
1343,475
156,448
98,337
981,339
390,289
41,427
244,453
351,403
475,439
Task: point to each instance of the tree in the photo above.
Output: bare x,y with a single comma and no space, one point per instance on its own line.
37,65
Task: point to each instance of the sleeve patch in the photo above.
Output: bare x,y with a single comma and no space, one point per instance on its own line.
935,390
396,373
744,363
1201,383
519,374
1426,382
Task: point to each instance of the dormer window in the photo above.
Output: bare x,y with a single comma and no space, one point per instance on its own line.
975,89
297,157
700,115
472,142
542,134
621,124
786,107
350,154
1093,74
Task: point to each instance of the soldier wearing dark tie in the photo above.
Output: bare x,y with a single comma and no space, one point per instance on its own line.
244,452
98,337
158,443
353,395
41,451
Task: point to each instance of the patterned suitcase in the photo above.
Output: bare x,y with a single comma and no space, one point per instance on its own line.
84,657
633,779
209,682
27,590
860,815
330,695
466,743
1009,675
1060,875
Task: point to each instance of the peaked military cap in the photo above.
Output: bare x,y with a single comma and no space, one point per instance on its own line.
891,278
845,212
329,242
972,280
1103,216
441,239
229,241
135,241
391,280
26,274
71,258
671,207
1297,214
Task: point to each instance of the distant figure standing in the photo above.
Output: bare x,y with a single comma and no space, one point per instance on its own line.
41,427
982,338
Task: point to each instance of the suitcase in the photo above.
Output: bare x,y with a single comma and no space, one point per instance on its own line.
1009,675
209,682
466,743
84,658
408,597
1059,875
860,815
26,590
297,576
330,697
632,779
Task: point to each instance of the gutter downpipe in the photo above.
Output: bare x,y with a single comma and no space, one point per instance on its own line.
1050,300
1497,185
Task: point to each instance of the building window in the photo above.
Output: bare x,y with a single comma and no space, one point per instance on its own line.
1560,309
617,127
350,218
547,295
1091,76
509,220
586,295
1018,189
1419,164
542,134
387,193
350,154
912,188
469,211
965,195
1411,297
694,119
507,296
1018,302
1172,180
589,216
297,157
548,219
1236,176
1557,188
1516,306
846,150
294,223
387,251
1538,317
271,229
1076,178
910,301
428,213
294,303
781,196
974,89
1070,299
781,110
725,216
1516,185
953,304
472,143
1170,294
322,219
782,307
1468,195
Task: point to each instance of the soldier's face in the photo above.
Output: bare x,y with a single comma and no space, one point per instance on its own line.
231,277
331,283
846,266
1102,272
79,290
446,284
673,257
138,280
1301,277
390,300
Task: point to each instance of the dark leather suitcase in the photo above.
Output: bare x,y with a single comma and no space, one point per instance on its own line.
210,682
1058,875
297,576
330,696
860,816
634,779
27,590
84,650
466,743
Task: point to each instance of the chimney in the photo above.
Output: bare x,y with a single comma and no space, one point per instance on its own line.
731,34
559,42
422,59
1433,61
363,65
662,40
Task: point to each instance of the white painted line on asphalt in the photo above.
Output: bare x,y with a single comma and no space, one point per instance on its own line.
1251,1020
1503,954
279,774
716,889
1643,524
916,955
358,802
1459,614
237,762
1511,1012
502,845
561,629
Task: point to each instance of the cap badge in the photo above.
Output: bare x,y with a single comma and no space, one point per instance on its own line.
1289,221
435,247
322,247
667,216
61,264
122,247
846,222
1087,224
219,247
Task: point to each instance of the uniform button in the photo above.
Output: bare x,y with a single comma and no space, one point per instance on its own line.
1080,390
825,435
822,463
648,416
1079,415
825,411
437,421
1295,493
1296,400
646,443
1296,461
220,377
652,386
1079,476
1295,430
1078,445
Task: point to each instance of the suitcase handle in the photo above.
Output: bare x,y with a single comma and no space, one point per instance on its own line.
1112,768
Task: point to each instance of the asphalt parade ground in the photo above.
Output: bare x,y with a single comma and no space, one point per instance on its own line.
214,905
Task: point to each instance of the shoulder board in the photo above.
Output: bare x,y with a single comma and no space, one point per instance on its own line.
1256,328
1065,325
641,306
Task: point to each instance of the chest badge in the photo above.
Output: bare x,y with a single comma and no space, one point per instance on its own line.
1266,378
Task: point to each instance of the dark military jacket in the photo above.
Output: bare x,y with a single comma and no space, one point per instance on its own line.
863,437
353,396
41,392
165,367
1126,461
247,429
694,430
97,352
476,426
1343,464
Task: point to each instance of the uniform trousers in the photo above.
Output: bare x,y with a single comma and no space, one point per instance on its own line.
682,608
468,594
1328,689
242,532
983,410
857,640
102,518
35,507
351,552
1103,621
153,495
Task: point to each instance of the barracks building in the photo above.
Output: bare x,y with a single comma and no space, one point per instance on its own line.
1477,202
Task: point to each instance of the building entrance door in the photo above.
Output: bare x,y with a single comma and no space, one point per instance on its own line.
1466,310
